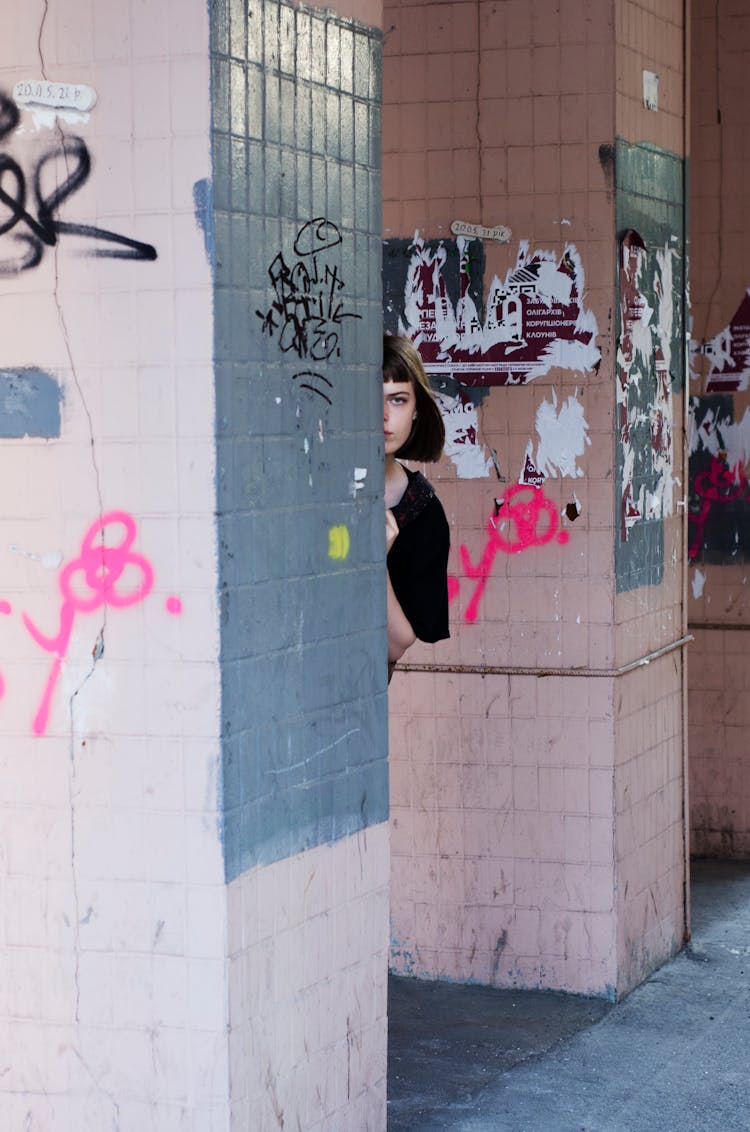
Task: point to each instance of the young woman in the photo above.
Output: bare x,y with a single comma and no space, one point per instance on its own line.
416,529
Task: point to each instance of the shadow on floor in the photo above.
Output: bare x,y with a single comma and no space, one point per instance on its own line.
458,1051
447,1042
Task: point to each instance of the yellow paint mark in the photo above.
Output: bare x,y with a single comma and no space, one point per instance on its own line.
338,542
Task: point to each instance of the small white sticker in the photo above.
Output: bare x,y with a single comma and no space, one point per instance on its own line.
650,90
479,232
60,96
358,482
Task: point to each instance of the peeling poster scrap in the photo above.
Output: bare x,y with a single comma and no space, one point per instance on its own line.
644,384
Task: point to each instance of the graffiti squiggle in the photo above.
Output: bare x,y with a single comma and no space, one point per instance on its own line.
529,518
307,310
33,233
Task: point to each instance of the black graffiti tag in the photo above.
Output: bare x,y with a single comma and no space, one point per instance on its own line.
308,310
36,232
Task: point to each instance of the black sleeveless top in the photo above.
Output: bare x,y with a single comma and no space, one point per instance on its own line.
418,559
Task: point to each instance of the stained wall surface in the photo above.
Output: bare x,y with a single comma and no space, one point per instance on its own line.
113,904
719,438
514,814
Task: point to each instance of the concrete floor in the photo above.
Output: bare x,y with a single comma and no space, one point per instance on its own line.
675,1055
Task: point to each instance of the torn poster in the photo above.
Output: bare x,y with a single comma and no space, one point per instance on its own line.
533,320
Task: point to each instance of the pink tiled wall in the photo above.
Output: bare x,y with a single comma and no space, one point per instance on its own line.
719,595
649,37
112,896
649,824
509,759
307,989
719,700
502,834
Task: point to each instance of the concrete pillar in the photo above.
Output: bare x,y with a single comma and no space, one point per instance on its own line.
537,783
193,879
298,347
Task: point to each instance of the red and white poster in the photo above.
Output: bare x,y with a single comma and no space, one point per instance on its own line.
534,321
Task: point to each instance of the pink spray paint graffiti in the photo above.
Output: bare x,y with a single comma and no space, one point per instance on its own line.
87,583
5,609
719,485
107,572
523,519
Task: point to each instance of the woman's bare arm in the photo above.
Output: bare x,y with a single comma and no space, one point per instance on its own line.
400,633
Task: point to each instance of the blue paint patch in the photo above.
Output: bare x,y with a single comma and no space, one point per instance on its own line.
203,203
29,404
303,678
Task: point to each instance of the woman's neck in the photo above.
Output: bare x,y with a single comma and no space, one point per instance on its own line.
396,481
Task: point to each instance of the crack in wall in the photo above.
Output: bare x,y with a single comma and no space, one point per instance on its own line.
42,22
97,652
100,1089
98,648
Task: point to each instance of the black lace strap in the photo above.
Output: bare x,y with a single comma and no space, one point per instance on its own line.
414,500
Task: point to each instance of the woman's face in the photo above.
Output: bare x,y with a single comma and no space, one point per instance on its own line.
399,410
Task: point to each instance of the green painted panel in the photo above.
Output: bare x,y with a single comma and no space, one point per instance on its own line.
651,226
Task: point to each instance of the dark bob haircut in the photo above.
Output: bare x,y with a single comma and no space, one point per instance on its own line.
401,362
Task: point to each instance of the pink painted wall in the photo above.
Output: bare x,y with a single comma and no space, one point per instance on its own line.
521,851
719,593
